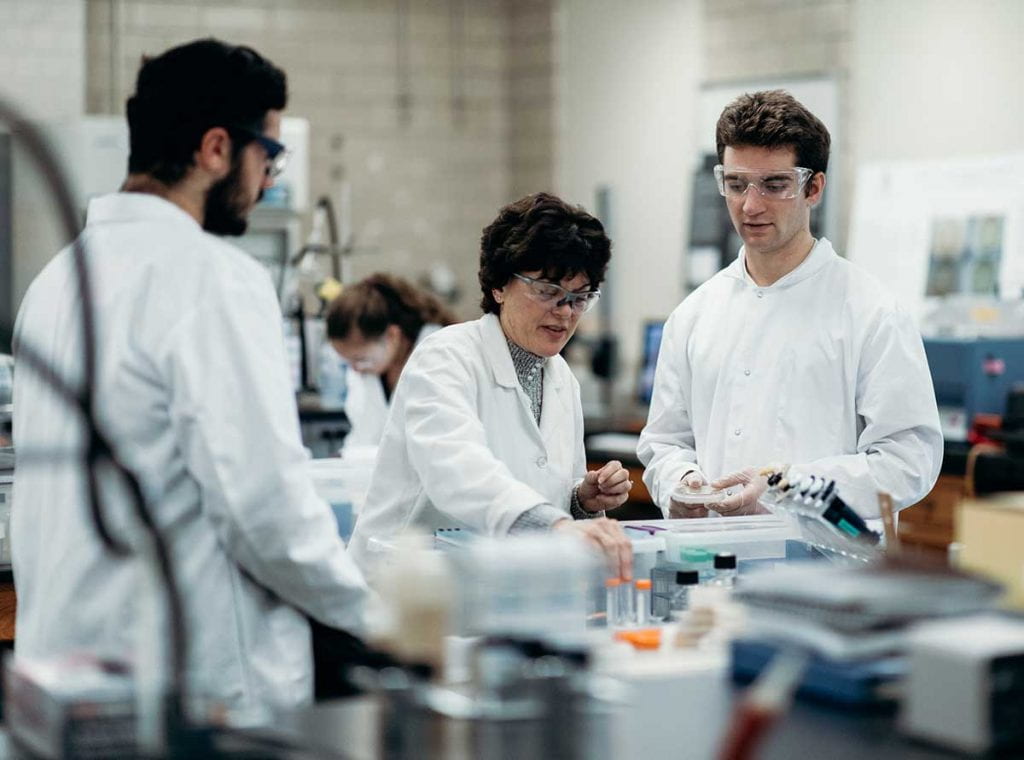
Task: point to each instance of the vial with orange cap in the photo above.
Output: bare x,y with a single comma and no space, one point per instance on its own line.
643,601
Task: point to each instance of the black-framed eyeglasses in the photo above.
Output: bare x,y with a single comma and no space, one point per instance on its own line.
277,153
553,296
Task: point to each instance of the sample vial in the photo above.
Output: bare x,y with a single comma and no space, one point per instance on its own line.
613,613
725,569
626,603
685,580
643,601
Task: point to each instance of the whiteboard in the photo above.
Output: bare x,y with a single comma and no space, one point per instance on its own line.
896,207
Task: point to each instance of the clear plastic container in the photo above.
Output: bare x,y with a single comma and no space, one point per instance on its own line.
748,537
646,551
703,495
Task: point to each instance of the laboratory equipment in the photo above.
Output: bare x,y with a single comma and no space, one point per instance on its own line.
972,376
651,345
6,492
627,603
343,483
725,569
647,549
853,683
856,610
79,706
679,599
702,495
643,601
965,683
538,586
825,520
612,613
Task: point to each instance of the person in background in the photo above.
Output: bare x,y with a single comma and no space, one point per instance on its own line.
374,325
790,354
486,425
191,386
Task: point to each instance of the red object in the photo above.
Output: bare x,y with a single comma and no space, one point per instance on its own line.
746,731
982,427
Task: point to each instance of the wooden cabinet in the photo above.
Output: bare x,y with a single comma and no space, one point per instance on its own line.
8,604
929,523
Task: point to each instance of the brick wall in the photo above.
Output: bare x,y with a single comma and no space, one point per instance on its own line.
759,40
424,107
42,53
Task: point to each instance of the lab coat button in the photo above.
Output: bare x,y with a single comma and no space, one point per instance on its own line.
746,372
760,294
542,462
737,431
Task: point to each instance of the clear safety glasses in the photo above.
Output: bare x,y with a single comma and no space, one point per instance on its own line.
780,185
551,295
372,357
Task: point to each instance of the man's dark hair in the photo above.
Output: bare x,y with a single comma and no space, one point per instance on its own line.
774,119
541,233
190,89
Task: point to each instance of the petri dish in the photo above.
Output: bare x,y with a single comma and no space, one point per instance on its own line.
703,495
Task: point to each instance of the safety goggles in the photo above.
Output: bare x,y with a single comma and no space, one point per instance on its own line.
551,295
779,185
372,357
277,153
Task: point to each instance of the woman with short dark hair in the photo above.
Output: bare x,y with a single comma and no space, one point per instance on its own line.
486,425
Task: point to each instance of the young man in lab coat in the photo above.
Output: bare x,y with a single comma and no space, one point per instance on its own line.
192,387
790,354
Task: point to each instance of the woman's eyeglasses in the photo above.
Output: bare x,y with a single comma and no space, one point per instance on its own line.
553,296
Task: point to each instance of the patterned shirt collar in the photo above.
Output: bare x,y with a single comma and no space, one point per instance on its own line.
530,371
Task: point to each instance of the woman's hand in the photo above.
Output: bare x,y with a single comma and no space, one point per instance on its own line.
606,488
609,537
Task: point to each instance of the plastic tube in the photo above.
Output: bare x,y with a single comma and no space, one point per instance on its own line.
643,601
613,613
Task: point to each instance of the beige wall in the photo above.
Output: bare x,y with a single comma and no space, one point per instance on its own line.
42,50
627,91
937,79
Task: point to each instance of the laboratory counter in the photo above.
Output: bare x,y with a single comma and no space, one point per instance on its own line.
347,729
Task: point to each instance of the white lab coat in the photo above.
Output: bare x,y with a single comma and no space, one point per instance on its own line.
822,370
365,404
461,447
192,387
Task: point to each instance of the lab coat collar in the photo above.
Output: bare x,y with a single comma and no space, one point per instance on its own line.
134,207
821,255
500,358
